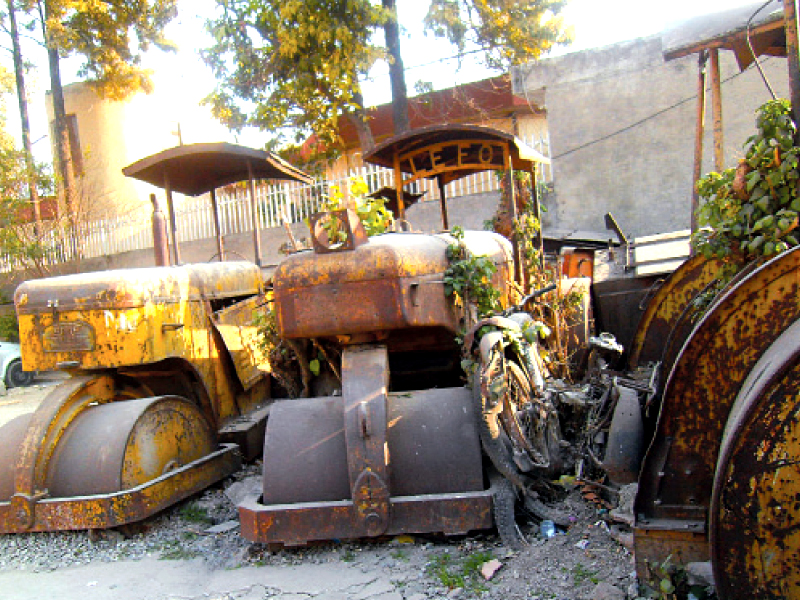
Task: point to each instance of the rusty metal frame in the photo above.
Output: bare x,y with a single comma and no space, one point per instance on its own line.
195,169
449,152
450,514
119,508
666,307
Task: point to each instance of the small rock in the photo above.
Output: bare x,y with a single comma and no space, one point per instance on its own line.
700,573
606,591
403,539
239,490
223,527
625,538
489,568
417,597
455,592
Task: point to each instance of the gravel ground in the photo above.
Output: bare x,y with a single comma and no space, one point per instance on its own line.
581,563
584,562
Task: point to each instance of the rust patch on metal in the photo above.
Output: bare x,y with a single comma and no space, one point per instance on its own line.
675,482
666,308
755,519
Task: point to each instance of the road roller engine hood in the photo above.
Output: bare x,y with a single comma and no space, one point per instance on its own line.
123,317
390,282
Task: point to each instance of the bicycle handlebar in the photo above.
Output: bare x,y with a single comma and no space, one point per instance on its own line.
532,296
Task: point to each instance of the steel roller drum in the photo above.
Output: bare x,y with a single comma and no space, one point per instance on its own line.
115,446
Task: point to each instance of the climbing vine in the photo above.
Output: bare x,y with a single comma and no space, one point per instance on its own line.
751,211
468,278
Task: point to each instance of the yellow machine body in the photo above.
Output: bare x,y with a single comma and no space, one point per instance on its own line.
165,368
129,318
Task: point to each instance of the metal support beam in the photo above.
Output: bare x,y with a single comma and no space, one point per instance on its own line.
699,133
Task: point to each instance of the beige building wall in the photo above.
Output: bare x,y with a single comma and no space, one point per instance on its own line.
112,135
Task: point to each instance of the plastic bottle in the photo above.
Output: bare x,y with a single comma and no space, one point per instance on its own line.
547,528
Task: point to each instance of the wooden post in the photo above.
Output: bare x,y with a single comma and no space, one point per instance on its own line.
716,110
699,132
217,228
792,47
251,187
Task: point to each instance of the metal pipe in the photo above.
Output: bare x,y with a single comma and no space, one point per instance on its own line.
537,212
254,210
217,229
398,184
443,200
160,237
176,252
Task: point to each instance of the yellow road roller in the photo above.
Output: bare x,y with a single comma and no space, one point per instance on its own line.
168,388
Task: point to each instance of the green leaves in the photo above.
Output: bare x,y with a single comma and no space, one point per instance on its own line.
111,35
469,277
751,211
290,65
509,32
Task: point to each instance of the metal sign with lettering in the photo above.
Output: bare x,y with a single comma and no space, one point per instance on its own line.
69,336
463,155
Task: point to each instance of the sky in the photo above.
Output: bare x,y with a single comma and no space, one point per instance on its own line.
183,75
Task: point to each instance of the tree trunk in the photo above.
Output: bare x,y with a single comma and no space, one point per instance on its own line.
359,117
22,96
61,135
396,72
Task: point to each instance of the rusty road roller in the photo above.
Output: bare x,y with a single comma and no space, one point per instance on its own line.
168,388
719,480
394,446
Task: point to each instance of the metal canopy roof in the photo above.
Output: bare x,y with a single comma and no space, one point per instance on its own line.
728,29
522,156
195,169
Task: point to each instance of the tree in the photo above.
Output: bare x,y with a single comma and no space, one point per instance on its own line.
18,242
295,64
110,36
22,97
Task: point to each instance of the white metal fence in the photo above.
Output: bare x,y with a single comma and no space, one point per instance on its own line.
195,220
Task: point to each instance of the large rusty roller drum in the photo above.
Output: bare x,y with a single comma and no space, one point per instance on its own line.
755,510
115,446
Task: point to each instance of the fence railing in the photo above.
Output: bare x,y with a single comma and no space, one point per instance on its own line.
274,202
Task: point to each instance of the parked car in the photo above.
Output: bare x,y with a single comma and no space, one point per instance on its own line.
11,366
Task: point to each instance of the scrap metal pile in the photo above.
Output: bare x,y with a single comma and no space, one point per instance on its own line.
169,388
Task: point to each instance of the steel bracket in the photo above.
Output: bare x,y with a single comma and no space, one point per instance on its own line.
365,380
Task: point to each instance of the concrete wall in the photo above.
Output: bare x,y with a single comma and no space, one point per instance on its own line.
622,129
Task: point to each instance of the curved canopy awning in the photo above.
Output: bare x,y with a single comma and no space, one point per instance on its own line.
195,169
450,152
